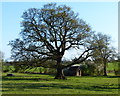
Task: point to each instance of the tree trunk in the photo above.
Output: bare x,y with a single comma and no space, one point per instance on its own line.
60,74
105,71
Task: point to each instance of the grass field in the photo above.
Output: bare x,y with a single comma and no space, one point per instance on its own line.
112,66
46,84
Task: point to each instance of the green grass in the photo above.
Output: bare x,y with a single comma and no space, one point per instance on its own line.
112,66
46,84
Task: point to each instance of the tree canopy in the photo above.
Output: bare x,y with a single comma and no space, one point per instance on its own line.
102,54
48,32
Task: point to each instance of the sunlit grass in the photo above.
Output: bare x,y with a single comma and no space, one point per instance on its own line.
113,66
46,84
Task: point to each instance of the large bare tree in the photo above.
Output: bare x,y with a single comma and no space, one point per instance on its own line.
48,32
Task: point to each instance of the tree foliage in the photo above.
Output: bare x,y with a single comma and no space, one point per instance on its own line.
104,53
48,32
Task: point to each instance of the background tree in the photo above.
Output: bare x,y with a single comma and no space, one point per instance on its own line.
48,32
1,59
104,52
1,56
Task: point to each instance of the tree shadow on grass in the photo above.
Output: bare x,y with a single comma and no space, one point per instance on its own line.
105,87
107,76
8,78
113,76
48,86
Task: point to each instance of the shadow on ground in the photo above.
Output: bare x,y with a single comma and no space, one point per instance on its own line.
21,86
113,76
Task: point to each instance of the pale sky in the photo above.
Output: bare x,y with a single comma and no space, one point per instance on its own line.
101,16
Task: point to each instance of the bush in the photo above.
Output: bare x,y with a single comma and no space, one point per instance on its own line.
7,68
51,71
117,73
88,69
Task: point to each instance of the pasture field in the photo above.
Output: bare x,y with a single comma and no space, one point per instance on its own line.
113,66
22,83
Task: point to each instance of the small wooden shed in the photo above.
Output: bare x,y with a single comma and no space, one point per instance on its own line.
74,70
